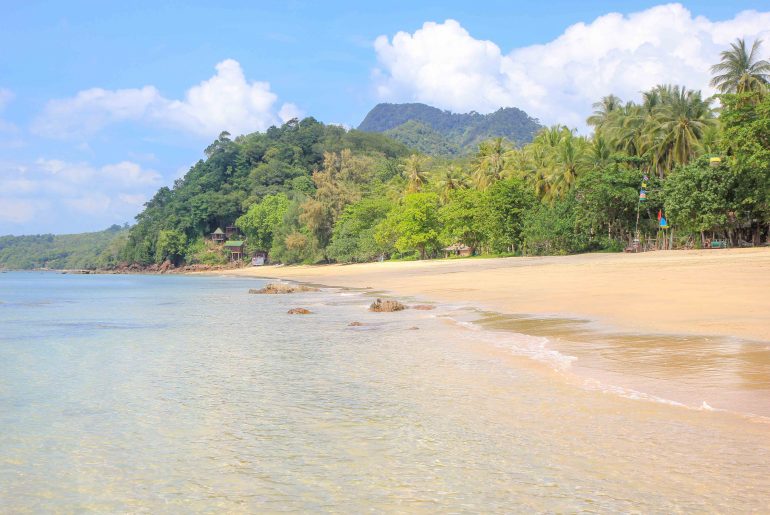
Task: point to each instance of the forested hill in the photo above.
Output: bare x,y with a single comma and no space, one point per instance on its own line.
284,188
63,251
443,133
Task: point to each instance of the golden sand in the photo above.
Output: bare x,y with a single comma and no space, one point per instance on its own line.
706,292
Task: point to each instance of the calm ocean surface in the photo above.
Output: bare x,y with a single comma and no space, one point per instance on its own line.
168,394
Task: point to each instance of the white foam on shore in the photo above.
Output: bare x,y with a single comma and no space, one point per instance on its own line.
520,344
536,347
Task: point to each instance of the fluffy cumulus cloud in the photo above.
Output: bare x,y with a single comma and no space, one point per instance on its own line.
444,65
226,101
50,192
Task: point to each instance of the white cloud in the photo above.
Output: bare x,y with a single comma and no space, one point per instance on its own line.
443,65
289,111
15,211
92,109
64,171
135,201
226,101
130,174
57,192
89,203
124,173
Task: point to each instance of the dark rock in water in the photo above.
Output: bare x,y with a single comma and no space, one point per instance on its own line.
423,307
299,311
386,306
355,324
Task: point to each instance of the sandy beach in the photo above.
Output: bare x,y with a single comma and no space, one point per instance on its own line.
703,292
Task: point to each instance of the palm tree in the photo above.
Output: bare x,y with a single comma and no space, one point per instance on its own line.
533,166
572,159
489,162
449,180
600,151
710,143
414,169
682,120
553,161
603,109
741,70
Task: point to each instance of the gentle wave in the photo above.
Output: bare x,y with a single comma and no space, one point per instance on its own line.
536,348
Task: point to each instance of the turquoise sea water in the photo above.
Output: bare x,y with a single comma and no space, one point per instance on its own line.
168,394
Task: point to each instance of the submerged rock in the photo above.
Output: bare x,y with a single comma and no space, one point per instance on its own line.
423,307
281,288
355,324
299,311
386,306
413,328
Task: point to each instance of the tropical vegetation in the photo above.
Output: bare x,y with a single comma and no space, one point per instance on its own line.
306,192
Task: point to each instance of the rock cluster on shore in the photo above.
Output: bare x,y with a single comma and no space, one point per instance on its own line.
386,306
167,267
281,288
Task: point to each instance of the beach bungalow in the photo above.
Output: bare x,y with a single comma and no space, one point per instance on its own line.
235,247
458,249
218,236
231,230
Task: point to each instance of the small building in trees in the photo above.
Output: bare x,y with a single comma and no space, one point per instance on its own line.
259,258
230,231
458,249
235,248
218,236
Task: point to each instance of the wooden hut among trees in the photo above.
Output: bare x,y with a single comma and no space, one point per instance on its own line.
235,247
218,236
458,249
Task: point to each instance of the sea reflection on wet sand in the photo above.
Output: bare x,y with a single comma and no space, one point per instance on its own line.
725,373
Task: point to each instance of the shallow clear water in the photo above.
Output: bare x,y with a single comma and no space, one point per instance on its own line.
174,393
724,373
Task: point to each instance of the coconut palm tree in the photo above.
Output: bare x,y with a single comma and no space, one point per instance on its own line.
603,109
741,70
553,161
448,180
682,120
414,169
572,159
533,166
600,150
490,162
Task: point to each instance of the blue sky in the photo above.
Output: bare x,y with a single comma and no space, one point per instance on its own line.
102,103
